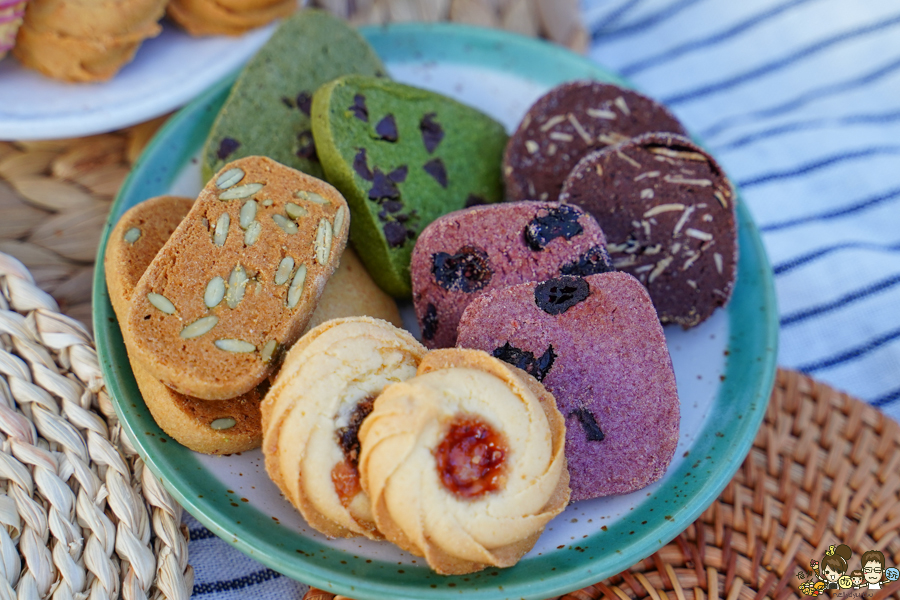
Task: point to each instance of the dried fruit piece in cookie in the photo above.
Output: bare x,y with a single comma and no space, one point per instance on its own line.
599,348
464,463
471,251
221,427
567,123
402,156
668,212
267,111
312,416
256,312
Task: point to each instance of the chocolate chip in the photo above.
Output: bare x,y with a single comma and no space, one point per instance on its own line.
392,206
226,147
559,221
589,424
382,186
287,102
304,102
361,165
525,360
556,296
398,175
435,167
395,233
429,322
596,260
307,146
387,129
432,132
359,109
348,436
473,200
466,271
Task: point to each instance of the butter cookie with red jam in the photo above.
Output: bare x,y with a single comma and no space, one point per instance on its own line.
464,463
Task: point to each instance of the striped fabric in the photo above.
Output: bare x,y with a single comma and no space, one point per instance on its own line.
800,101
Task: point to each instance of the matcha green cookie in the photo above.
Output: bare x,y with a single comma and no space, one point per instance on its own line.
402,157
267,112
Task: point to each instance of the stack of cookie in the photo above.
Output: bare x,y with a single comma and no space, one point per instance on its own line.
79,40
205,333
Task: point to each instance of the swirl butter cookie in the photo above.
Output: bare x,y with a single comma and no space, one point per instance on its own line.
464,463
597,346
467,252
402,156
567,123
312,416
238,280
668,211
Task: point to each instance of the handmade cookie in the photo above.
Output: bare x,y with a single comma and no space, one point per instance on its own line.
221,427
402,157
467,252
597,346
567,123
238,280
219,17
267,111
312,415
95,19
668,212
464,463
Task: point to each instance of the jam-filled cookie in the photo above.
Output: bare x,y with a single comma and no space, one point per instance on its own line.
464,463
668,212
567,123
312,415
467,252
596,344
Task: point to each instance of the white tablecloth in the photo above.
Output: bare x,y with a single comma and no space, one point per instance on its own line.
800,101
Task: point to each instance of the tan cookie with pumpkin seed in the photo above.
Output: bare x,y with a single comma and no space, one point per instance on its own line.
225,426
238,280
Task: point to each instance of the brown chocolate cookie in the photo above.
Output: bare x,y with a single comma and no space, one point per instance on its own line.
568,122
667,210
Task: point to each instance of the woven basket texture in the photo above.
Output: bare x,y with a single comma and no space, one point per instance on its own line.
824,470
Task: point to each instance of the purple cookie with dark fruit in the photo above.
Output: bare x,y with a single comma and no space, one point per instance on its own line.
468,252
567,123
597,346
668,212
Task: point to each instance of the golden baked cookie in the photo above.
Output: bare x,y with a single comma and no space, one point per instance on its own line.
11,15
221,17
238,280
95,19
78,59
313,411
464,464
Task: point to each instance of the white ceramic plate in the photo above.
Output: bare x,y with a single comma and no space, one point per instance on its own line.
167,72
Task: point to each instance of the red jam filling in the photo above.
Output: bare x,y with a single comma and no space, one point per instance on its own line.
470,458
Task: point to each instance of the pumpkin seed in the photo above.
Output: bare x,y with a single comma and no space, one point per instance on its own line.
132,235
296,289
161,302
237,283
295,211
229,178
286,224
233,345
323,241
221,232
285,267
223,423
215,291
253,232
199,327
312,197
241,191
268,351
339,220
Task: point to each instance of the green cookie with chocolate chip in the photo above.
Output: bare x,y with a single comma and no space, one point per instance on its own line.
268,110
402,157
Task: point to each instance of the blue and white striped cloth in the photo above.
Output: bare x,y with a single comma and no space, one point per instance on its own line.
800,101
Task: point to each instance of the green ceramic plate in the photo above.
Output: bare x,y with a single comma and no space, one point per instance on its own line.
725,370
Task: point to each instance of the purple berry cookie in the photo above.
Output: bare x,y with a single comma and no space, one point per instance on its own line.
468,252
667,209
596,344
568,122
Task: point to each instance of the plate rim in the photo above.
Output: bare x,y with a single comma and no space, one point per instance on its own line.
551,584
